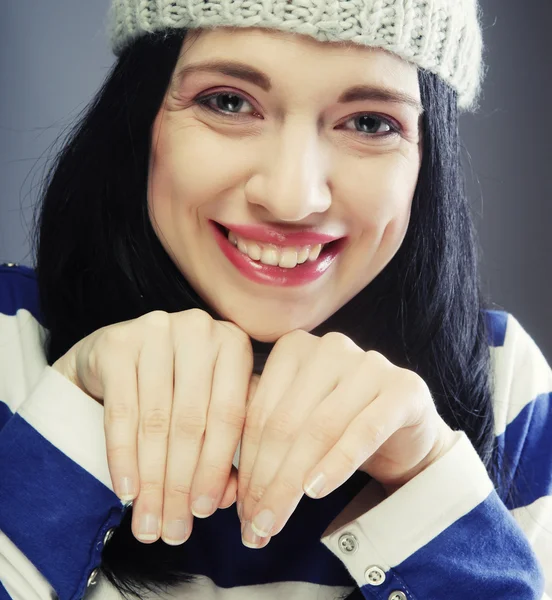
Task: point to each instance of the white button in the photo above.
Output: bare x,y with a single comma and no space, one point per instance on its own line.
374,575
348,544
396,595
92,579
109,535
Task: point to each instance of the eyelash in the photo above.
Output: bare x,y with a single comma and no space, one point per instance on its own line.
202,101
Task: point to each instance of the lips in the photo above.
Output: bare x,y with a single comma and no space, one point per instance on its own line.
256,271
280,237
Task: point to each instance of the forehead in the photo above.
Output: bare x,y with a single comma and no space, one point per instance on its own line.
285,55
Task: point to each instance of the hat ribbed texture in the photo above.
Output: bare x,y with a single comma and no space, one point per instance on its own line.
441,36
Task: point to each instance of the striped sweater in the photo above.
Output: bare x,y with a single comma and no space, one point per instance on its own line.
446,534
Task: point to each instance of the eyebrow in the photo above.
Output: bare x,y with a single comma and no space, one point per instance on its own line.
252,75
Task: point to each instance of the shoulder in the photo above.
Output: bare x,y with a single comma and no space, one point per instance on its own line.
18,290
521,377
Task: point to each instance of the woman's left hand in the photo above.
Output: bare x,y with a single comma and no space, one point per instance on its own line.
323,409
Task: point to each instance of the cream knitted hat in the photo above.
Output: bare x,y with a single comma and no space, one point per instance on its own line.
441,36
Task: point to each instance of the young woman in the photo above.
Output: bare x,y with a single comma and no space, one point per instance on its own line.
256,286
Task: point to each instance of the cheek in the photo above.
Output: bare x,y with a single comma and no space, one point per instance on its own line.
190,165
383,196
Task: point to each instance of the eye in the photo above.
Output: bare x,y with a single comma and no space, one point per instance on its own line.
229,104
225,103
371,125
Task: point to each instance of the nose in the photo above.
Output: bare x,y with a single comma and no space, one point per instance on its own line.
291,183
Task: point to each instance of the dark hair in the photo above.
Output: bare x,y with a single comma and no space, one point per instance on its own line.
98,262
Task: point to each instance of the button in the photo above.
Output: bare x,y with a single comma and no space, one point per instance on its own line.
109,535
374,575
348,544
397,595
92,579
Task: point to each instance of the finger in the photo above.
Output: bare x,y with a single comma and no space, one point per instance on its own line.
317,375
321,431
230,493
362,438
225,421
194,357
155,393
277,377
121,424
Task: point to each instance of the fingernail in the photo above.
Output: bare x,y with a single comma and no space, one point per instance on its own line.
315,486
249,537
126,489
175,533
148,526
263,523
202,507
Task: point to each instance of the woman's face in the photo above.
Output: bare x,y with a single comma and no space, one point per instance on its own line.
288,147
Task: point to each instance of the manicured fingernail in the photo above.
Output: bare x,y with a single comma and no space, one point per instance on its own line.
249,537
202,507
175,533
263,523
315,486
126,488
148,525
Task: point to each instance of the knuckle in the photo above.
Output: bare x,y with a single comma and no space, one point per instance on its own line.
256,492
119,411
156,422
151,487
231,417
178,490
157,319
373,434
348,459
335,338
280,427
114,337
217,471
199,320
322,429
286,484
189,426
293,338
377,359
120,452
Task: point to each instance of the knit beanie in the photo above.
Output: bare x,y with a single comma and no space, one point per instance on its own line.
440,36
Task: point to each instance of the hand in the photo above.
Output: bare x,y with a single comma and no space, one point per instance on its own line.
174,388
323,409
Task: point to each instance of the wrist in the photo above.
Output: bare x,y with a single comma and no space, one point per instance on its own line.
440,448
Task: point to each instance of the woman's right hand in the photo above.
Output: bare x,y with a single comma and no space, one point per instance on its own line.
174,387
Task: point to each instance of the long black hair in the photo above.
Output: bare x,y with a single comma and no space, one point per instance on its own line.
99,261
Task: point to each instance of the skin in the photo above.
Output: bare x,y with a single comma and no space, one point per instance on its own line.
294,158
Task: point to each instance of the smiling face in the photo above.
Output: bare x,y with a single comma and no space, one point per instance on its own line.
282,144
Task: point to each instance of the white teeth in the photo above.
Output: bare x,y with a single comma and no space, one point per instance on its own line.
254,251
270,256
288,258
315,252
303,255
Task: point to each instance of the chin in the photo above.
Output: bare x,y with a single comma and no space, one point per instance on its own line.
271,330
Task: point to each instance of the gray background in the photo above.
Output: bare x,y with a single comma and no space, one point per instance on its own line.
54,55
